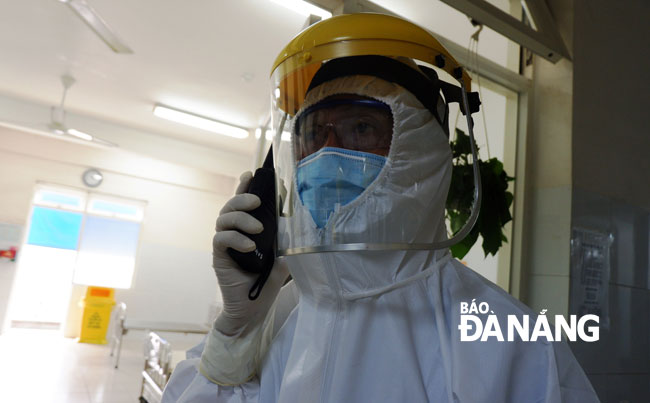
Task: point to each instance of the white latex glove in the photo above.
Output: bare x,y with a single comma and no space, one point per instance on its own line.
240,315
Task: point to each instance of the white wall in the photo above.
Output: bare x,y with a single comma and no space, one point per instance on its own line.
548,184
174,280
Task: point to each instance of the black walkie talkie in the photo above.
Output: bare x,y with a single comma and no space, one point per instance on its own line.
260,261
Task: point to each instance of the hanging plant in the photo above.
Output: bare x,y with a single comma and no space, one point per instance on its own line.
494,212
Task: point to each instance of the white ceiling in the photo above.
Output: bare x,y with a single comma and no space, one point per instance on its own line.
211,57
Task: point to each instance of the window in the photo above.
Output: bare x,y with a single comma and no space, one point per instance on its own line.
54,228
107,251
74,237
115,207
61,199
102,229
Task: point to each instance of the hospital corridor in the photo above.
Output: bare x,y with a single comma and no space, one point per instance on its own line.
327,201
58,361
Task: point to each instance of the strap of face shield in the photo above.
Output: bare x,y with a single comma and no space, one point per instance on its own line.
424,85
453,93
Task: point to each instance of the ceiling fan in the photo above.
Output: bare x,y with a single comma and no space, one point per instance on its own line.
97,24
57,125
57,117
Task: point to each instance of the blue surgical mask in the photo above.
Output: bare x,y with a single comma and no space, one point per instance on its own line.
333,177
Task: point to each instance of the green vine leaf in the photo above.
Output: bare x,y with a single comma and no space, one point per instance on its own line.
462,146
494,211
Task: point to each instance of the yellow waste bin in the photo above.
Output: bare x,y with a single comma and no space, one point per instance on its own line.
97,305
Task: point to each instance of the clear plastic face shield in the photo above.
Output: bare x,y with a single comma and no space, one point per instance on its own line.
346,157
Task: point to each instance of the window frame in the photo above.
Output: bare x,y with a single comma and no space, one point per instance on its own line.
88,197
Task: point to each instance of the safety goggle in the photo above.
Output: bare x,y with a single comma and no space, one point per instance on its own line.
354,124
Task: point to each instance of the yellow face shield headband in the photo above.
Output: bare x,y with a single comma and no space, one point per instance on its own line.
352,35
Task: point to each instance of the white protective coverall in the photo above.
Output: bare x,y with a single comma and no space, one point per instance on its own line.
383,326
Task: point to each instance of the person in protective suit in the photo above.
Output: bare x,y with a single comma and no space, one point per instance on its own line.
372,313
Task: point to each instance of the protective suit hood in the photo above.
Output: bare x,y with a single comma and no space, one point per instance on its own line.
405,203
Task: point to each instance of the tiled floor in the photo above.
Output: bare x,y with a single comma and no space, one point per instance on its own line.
41,366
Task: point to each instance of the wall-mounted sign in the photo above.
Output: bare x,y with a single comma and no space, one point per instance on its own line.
590,267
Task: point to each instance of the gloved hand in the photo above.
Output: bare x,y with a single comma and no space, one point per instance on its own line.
239,314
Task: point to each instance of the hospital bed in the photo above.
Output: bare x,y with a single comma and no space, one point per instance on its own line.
121,325
159,363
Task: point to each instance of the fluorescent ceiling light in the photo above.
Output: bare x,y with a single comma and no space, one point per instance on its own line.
81,135
200,122
304,8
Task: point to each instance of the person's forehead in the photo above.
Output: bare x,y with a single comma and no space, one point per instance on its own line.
345,96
